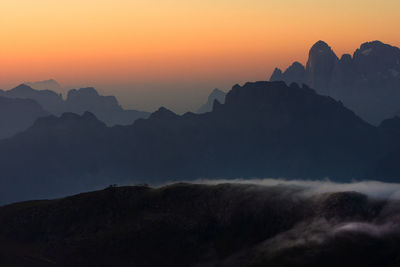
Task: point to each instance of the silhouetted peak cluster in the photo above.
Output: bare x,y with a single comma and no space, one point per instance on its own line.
367,82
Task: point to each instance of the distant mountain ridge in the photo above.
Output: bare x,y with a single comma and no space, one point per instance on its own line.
78,101
106,108
45,85
49,100
293,133
367,82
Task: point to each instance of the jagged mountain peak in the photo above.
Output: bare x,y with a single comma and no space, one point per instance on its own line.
277,75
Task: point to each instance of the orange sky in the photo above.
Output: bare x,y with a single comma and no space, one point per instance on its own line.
173,52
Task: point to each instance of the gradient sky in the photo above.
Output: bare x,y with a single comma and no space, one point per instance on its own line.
171,52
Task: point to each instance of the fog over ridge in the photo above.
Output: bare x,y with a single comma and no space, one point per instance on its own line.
375,189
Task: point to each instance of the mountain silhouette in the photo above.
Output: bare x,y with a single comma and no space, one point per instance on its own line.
216,94
16,115
48,99
367,82
106,108
293,133
296,73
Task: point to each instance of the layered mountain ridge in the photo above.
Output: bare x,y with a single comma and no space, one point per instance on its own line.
293,133
78,101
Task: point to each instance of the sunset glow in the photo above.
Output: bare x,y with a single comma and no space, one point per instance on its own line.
211,42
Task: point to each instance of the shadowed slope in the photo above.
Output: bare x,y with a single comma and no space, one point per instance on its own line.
201,225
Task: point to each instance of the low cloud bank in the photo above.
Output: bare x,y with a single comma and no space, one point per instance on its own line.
374,189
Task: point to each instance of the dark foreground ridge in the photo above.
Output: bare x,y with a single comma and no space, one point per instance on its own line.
202,225
264,129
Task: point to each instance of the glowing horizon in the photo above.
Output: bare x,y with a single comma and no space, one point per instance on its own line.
176,43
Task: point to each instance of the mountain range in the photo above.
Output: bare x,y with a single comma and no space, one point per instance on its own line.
106,108
367,82
293,133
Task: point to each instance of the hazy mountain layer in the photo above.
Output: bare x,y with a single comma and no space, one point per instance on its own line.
106,108
45,85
